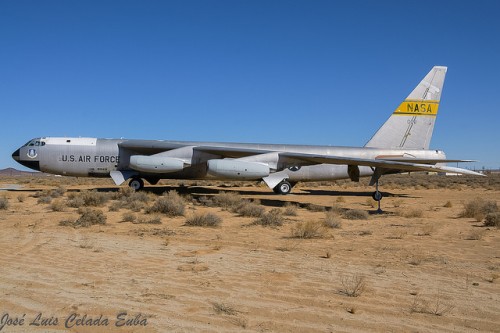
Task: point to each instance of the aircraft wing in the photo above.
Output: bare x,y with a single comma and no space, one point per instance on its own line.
407,165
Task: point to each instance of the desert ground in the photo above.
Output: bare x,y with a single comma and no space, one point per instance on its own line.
321,261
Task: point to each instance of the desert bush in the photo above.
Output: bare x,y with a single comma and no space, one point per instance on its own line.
115,206
57,205
152,220
410,213
272,218
492,220
75,201
307,230
4,203
249,209
227,200
128,217
203,220
356,214
45,199
170,204
332,220
478,208
93,198
437,307
21,198
315,208
88,217
352,286
448,204
222,308
290,209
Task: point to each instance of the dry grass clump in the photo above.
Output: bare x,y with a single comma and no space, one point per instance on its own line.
492,220
87,199
355,214
478,208
227,200
438,307
152,220
448,204
21,198
352,286
332,220
171,204
57,205
410,213
128,217
308,230
46,199
273,218
249,209
203,220
315,208
4,203
88,217
290,209
222,308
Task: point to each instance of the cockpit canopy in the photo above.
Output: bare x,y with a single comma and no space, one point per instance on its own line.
35,143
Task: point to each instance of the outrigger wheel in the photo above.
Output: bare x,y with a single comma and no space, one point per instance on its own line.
284,187
136,184
377,196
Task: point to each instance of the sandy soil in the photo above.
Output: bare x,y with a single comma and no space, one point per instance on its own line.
437,272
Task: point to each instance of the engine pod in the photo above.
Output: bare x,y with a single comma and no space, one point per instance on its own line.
235,169
155,164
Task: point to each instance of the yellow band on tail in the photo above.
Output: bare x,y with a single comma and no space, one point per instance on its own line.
417,108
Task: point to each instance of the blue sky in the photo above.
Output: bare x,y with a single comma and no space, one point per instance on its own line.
301,72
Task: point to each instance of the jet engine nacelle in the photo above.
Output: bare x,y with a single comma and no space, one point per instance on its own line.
237,169
155,164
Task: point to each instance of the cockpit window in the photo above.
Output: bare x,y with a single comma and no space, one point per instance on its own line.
34,142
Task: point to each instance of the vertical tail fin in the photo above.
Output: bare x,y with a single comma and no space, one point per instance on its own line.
412,123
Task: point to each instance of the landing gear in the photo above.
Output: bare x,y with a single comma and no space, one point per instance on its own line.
377,196
284,187
136,184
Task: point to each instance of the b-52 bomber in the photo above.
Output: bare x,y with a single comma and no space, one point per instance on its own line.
400,145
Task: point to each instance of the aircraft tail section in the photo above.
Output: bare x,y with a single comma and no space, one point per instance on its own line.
412,123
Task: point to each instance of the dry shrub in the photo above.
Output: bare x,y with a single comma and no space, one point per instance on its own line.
4,203
170,204
222,308
352,286
128,217
115,206
45,199
411,213
203,220
87,199
249,209
88,217
478,208
307,230
152,220
57,205
356,214
492,220
290,209
332,220
273,218
21,197
315,208
227,200
438,307
448,204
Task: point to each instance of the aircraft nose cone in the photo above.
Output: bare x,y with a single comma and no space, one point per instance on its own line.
15,155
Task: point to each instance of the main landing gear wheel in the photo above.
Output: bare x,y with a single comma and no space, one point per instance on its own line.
377,196
136,184
284,187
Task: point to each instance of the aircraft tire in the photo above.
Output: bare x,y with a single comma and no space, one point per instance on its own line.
284,187
136,184
377,196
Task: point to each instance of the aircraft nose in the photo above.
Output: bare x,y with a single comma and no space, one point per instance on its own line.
15,155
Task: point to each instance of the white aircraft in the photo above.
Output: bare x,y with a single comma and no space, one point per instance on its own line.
400,145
